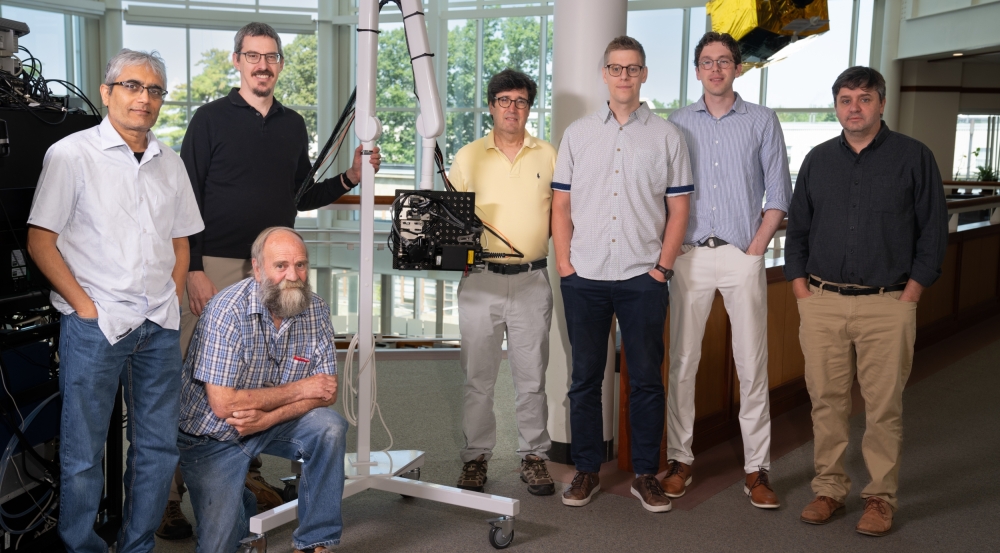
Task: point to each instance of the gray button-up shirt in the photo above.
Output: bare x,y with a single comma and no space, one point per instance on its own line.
116,218
736,158
619,177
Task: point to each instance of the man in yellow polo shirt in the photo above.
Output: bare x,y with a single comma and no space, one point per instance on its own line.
511,173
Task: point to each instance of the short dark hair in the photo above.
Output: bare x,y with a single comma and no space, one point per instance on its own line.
624,43
860,77
256,29
725,38
511,79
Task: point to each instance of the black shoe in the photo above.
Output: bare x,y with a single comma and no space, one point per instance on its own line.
473,474
536,475
174,525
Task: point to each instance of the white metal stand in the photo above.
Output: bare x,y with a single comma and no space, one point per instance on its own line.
366,470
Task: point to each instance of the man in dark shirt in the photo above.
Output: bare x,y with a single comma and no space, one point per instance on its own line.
247,156
867,232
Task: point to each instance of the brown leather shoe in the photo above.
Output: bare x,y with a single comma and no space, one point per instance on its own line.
677,480
268,496
759,489
647,488
581,489
877,520
820,510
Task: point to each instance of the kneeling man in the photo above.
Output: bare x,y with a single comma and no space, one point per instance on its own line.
258,378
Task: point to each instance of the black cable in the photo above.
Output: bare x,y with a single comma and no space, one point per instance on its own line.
309,182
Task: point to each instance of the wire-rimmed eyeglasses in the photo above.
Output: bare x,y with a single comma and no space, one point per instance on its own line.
724,63
254,57
156,92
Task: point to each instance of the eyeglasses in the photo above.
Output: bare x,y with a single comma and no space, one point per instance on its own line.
615,70
254,57
505,102
135,87
723,64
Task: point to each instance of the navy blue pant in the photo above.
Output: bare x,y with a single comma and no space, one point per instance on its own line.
641,306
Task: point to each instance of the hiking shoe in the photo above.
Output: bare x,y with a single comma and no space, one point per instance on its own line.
474,474
581,489
268,496
758,489
647,488
821,510
536,475
174,525
877,520
677,480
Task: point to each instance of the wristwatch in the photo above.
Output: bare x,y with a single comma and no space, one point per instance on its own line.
667,273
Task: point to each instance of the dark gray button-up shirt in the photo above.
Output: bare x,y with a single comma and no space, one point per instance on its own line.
874,218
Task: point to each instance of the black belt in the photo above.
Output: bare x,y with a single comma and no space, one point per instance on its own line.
856,290
503,269
712,242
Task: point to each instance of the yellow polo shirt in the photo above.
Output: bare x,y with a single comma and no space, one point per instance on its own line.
514,198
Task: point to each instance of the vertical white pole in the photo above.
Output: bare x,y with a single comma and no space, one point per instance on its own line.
583,29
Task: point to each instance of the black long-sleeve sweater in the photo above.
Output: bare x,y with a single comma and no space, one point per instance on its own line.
245,169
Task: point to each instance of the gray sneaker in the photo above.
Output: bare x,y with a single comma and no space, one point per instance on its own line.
536,475
473,474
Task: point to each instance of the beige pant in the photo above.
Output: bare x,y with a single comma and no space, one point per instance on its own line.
223,272
871,336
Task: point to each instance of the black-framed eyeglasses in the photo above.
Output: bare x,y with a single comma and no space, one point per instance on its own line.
724,63
254,57
505,102
615,70
155,92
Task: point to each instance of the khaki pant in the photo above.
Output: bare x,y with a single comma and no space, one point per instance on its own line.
871,336
223,272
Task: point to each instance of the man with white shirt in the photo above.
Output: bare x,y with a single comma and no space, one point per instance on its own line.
109,227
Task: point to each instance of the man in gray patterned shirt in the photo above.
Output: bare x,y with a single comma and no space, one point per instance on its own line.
261,370
628,174
738,153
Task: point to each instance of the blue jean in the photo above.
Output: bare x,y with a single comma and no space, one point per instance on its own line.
641,306
215,470
147,363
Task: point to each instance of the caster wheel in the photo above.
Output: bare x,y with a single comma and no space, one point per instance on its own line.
290,493
412,475
499,540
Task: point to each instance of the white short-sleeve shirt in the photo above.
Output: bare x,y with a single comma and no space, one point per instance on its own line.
116,218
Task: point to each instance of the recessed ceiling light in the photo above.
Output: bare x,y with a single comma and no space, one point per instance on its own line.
956,54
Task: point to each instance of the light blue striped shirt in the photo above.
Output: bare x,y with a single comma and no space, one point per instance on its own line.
236,345
736,158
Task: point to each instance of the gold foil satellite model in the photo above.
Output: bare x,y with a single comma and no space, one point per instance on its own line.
769,30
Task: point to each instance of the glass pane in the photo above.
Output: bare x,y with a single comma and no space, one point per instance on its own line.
699,25
170,42
171,125
212,71
803,131
550,44
46,43
804,79
297,83
660,32
971,147
398,146
863,56
512,42
461,63
747,85
395,74
461,130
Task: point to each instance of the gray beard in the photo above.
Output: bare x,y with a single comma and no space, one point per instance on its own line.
285,299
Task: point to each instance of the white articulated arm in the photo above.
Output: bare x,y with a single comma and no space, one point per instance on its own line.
430,122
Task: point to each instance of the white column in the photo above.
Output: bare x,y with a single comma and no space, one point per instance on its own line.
583,28
891,67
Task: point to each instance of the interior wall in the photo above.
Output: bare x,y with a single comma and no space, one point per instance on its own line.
930,115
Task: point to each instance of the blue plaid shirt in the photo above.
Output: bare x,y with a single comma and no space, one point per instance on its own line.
236,345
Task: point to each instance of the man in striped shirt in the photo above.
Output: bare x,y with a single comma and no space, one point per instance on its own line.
738,154
628,174
261,370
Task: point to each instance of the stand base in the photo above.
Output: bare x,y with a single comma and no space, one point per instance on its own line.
381,479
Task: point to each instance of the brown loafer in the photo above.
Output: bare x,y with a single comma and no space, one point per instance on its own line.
877,520
821,510
758,489
677,480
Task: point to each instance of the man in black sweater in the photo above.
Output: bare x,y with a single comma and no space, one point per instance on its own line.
247,156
